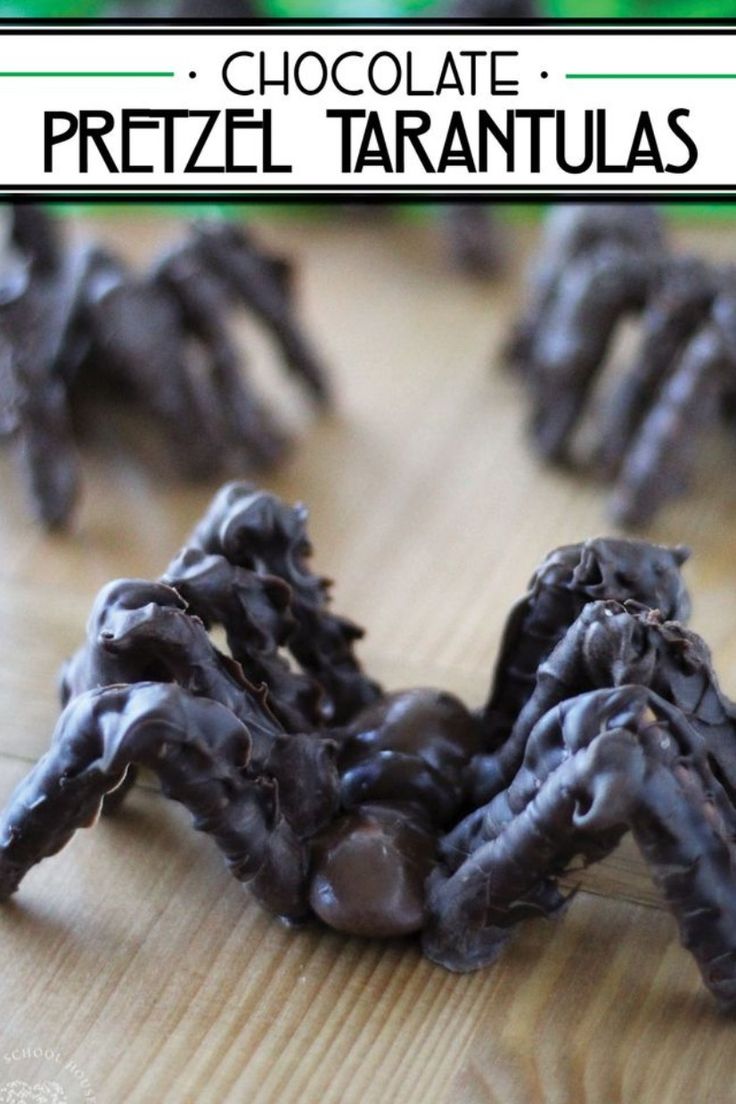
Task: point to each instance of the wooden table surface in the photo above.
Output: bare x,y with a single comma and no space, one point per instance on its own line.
133,958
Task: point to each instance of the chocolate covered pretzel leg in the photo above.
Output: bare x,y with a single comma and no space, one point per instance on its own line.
680,302
604,647
633,765
255,611
200,752
35,233
568,353
570,234
137,347
563,584
140,631
661,457
474,240
566,580
262,283
37,310
607,646
544,751
246,422
256,530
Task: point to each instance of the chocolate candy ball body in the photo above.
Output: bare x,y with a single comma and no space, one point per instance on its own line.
429,723
369,871
409,747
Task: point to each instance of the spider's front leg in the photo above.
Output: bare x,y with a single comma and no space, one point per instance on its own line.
565,582
255,611
610,645
256,530
501,864
605,647
200,752
570,234
679,304
246,421
661,456
593,295
624,760
262,283
140,631
137,345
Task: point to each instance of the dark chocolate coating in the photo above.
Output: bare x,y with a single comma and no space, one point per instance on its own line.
610,645
679,303
401,763
264,284
474,240
35,234
255,611
37,308
137,349
239,419
659,461
139,630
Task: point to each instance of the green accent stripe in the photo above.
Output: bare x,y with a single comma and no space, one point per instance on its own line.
71,73
650,76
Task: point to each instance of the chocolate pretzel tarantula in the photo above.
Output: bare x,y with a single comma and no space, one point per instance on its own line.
75,321
382,813
598,265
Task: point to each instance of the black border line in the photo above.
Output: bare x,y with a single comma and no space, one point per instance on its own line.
186,27
659,24
380,193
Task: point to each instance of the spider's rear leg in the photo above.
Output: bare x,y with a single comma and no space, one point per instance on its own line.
255,611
